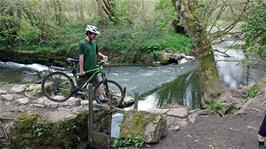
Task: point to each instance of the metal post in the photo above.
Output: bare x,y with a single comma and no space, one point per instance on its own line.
136,102
90,116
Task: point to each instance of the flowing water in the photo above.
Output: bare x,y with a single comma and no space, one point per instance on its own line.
142,79
233,72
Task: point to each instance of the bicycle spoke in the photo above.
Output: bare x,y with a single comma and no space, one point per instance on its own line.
109,90
59,89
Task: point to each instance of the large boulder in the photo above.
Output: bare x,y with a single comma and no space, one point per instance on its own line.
149,127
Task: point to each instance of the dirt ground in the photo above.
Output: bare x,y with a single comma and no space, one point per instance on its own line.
238,131
215,132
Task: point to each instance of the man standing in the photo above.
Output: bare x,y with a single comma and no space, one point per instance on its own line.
88,52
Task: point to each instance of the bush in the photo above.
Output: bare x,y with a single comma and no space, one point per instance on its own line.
220,107
9,28
255,31
60,38
252,92
133,44
118,143
141,43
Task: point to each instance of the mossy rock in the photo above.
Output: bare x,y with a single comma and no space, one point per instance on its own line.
32,131
149,127
163,59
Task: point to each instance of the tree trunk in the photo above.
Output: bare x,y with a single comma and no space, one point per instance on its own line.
81,11
59,15
100,11
208,73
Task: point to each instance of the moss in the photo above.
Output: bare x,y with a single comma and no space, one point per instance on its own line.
137,122
134,124
32,131
255,87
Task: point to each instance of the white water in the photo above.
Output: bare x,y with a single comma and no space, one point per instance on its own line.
231,69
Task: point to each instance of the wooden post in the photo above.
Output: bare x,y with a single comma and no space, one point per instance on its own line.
90,116
136,98
247,77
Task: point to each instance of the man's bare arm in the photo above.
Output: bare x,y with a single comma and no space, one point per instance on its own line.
81,62
103,56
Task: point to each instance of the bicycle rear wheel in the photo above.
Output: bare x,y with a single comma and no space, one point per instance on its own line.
57,86
109,90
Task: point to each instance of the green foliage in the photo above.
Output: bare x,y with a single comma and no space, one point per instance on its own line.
215,105
165,13
252,92
29,131
171,41
132,39
137,42
219,106
118,143
148,38
9,28
255,31
62,38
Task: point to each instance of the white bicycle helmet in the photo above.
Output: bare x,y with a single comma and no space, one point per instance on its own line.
92,29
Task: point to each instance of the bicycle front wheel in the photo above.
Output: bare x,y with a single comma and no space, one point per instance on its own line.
107,91
57,86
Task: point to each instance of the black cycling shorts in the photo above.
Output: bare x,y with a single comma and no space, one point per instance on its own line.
262,130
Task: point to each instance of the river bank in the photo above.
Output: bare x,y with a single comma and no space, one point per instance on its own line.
186,128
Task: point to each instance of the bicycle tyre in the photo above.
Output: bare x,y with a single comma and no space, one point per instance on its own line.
111,90
54,89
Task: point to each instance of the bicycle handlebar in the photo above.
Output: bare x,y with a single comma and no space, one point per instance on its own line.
103,62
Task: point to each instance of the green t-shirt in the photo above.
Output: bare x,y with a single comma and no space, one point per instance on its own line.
89,50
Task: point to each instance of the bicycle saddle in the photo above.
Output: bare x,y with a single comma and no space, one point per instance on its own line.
72,61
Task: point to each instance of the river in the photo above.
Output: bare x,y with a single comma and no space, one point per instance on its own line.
141,79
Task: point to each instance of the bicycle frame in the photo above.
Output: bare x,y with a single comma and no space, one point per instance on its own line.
61,84
76,76
94,71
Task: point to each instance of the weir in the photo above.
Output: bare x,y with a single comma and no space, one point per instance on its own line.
98,139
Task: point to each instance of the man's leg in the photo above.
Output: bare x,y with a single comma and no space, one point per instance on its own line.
262,134
81,81
99,93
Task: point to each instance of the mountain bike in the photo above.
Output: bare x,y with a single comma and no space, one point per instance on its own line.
62,83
